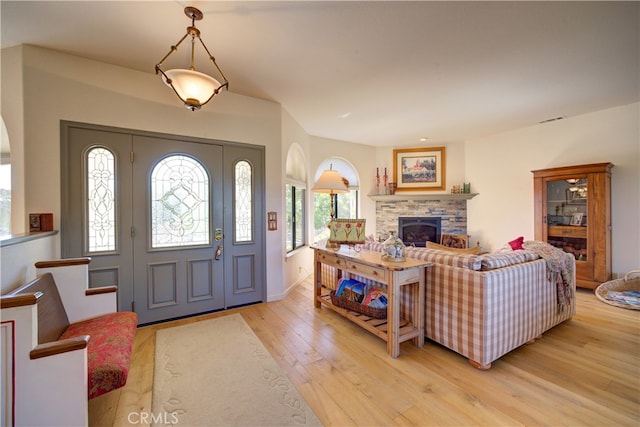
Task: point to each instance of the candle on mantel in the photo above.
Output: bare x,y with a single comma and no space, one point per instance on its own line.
385,180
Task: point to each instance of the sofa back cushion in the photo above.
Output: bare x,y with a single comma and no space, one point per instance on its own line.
505,259
370,245
462,260
436,256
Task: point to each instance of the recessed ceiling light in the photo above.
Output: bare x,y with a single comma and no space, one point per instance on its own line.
423,139
344,116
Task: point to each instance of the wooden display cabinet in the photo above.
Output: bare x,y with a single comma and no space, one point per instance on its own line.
572,211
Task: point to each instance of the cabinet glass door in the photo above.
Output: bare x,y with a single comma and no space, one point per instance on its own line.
567,215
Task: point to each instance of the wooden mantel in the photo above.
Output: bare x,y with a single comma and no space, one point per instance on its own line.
441,196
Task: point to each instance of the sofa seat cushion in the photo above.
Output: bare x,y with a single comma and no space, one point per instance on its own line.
109,349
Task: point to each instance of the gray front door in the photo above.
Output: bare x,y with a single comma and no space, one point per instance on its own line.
179,222
178,189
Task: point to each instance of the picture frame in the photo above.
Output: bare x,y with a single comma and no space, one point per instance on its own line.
576,219
419,169
34,222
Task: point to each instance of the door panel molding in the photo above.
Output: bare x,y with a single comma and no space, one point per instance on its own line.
200,280
162,284
245,273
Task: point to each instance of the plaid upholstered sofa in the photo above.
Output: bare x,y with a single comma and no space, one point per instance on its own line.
484,306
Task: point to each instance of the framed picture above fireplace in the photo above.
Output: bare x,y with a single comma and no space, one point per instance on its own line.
419,169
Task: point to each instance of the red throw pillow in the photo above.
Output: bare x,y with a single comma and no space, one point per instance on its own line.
517,243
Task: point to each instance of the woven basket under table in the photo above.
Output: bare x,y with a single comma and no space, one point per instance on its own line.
375,312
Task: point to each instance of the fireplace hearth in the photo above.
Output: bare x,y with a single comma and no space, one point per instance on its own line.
417,231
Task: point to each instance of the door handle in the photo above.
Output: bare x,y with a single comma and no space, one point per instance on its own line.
218,252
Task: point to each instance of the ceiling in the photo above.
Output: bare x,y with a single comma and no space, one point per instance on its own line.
377,73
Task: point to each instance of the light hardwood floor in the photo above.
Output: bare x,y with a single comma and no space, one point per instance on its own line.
583,372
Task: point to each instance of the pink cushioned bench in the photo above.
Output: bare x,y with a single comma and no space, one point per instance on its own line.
108,337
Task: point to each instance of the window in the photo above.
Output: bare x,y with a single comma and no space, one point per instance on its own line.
294,200
100,166
345,204
5,198
243,184
5,181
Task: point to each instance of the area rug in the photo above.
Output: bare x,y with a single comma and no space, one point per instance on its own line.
217,372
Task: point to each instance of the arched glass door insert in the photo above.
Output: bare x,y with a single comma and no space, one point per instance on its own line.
180,211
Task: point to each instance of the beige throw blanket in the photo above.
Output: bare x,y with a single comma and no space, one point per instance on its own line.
560,271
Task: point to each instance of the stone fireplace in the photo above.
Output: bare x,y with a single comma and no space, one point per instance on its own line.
451,211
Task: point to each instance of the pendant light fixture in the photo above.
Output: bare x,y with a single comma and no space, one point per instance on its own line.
193,88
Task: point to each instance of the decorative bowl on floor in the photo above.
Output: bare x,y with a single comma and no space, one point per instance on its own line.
623,292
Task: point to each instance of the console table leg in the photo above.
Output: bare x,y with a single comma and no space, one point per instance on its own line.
393,318
317,280
418,308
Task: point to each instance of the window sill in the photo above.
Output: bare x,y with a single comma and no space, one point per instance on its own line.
15,239
296,251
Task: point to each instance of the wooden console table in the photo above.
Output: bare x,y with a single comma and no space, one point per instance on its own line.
394,275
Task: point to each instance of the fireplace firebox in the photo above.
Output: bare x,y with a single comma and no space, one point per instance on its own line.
416,231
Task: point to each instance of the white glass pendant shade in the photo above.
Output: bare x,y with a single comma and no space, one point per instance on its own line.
193,87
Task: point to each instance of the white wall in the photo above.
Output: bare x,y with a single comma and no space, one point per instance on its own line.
298,264
17,261
63,87
499,168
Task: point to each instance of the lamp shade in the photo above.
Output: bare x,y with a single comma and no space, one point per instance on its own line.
330,182
191,86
